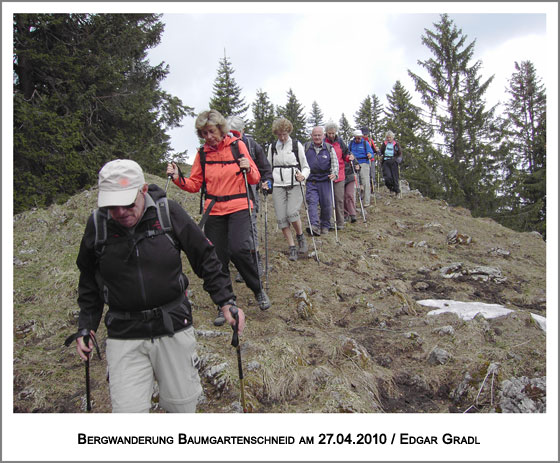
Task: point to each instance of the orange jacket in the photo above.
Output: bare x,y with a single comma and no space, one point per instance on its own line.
221,179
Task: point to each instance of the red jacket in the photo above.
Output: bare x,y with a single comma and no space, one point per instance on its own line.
221,179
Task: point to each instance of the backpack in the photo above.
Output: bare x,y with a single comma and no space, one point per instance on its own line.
100,217
203,194
294,150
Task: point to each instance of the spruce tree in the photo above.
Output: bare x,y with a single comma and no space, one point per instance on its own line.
525,129
344,128
226,95
420,160
316,116
263,117
364,115
454,97
84,93
295,113
377,129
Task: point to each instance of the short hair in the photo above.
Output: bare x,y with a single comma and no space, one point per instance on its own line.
389,133
331,125
236,123
211,117
318,127
282,125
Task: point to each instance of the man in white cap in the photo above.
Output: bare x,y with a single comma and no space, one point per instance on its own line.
130,259
363,153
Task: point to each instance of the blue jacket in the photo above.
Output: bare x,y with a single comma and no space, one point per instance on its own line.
360,151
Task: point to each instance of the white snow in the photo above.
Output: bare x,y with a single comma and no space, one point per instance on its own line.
469,310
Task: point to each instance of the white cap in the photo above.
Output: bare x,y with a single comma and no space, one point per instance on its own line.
358,133
119,183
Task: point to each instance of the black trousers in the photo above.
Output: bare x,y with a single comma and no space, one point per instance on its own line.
391,174
231,236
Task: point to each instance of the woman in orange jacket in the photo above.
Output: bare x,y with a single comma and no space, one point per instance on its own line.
228,224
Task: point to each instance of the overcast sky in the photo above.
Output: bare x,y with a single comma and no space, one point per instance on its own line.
337,54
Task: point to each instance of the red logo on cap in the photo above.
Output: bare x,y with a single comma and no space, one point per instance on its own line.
124,182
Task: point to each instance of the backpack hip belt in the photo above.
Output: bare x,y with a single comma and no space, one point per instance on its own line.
152,314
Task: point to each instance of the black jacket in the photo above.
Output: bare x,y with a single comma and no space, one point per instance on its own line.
136,273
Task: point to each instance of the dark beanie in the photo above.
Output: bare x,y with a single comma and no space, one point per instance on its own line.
365,131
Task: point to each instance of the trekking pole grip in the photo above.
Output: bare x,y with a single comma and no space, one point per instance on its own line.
234,311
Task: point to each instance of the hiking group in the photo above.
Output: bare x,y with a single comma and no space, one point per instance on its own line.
130,253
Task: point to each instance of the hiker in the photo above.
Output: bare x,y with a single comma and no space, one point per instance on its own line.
391,158
323,164
137,272
365,133
343,156
363,152
350,190
289,171
237,128
219,174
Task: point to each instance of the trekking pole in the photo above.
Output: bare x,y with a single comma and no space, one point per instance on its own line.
334,213
359,185
86,338
265,193
372,178
235,343
399,173
309,223
252,229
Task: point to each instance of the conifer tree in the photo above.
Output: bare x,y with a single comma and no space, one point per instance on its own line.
454,97
525,129
377,131
344,128
316,117
84,93
364,115
420,160
226,94
263,117
295,113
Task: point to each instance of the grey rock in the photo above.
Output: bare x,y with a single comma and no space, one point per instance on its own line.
447,330
523,395
439,356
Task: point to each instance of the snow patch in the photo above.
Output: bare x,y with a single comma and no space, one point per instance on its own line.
469,310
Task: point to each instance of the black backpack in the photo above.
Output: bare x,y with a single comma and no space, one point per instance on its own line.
203,192
294,150
100,217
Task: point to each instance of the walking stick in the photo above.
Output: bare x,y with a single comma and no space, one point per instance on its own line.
359,185
87,336
265,193
235,343
372,178
309,222
334,213
399,173
252,229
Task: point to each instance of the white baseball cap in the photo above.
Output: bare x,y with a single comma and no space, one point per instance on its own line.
119,183
358,133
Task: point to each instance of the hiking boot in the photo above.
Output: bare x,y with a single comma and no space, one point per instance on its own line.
263,300
353,219
340,227
239,278
324,231
302,244
220,319
315,229
293,253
